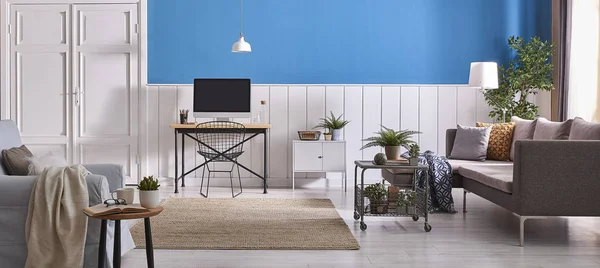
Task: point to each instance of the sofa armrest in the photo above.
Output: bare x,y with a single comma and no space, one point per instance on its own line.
15,190
450,136
557,178
115,174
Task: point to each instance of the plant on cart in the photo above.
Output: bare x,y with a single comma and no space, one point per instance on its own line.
377,195
391,140
401,203
411,202
413,153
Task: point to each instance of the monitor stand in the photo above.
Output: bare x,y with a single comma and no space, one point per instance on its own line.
223,119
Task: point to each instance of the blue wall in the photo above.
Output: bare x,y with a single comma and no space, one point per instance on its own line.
336,41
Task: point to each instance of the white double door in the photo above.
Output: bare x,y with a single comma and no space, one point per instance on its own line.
74,81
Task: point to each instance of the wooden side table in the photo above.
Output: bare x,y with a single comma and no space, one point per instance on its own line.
117,246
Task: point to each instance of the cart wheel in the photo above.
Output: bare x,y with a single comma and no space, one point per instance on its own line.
415,218
427,227
363,226
356,215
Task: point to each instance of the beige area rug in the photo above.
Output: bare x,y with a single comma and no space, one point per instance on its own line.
247,223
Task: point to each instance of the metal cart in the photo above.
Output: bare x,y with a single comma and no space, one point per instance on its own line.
422,206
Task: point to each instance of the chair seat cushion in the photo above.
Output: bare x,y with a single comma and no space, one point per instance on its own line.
498,177
221,158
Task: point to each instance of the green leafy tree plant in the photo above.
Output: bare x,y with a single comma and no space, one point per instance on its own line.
527,74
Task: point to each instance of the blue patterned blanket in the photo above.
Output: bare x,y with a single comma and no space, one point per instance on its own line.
440,181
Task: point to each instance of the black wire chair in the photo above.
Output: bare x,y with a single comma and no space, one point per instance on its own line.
220,141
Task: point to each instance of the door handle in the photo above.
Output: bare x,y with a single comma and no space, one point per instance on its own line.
320,156
77,94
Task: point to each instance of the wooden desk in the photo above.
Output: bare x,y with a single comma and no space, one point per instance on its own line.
187,129
117,246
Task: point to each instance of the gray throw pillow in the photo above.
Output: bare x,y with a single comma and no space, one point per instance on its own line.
471,143
524,130
16,160
549,130
583,130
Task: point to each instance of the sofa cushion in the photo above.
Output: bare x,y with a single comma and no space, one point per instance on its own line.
498,177
583,130
549,130
16,160
471,143
524,130
500,140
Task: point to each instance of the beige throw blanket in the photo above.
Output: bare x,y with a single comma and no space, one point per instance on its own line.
55,229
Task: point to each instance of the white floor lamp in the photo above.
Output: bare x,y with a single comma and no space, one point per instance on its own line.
484,75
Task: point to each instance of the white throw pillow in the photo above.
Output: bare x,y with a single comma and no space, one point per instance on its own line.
38,163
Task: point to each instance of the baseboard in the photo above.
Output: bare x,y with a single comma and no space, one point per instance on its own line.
272,182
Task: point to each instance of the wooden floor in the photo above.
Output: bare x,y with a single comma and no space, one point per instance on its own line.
486,236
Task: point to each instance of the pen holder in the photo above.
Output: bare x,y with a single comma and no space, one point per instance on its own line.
183,118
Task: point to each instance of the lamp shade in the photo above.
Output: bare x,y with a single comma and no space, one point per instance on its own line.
483,75
241,46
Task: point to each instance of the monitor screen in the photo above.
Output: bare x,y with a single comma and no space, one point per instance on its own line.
221,95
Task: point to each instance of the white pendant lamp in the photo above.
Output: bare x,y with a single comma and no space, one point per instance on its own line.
241,45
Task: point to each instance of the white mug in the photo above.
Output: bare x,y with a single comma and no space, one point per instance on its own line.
126,194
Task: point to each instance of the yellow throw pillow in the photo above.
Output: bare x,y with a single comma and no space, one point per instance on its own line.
500,140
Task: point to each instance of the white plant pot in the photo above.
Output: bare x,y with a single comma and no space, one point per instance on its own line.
336,134
149,199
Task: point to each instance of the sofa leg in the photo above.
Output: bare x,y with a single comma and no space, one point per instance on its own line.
522,230
465,201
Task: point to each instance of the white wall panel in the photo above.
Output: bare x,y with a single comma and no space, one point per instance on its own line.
353,131
296,120
409,110
428,121
446,115
167,114
429,108
466,106
371,122
279,132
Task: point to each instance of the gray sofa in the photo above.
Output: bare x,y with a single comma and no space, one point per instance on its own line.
547,178
14,198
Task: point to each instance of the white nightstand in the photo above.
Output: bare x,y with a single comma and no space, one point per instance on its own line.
319,156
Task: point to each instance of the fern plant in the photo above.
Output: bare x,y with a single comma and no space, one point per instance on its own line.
389,137
332,122
148,184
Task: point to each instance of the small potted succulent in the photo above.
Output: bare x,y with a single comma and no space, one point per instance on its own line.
149,196
327,135
391,140
413,152
333,124
376,193
411,202
401,203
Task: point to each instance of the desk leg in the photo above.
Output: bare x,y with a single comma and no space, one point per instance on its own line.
176,190
266,151
149,249
182,160
117,247
102,249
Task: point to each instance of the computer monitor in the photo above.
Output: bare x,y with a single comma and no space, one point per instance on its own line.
221,98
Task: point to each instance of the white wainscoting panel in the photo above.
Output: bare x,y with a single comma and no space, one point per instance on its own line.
430,109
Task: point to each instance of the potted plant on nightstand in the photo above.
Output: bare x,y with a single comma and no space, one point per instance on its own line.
149,196
391,140
376,193
413,152
334,125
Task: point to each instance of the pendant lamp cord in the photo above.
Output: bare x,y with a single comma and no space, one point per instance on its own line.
241,7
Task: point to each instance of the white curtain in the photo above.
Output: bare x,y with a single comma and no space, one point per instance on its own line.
584,80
